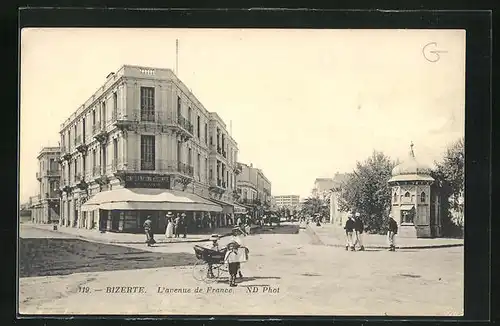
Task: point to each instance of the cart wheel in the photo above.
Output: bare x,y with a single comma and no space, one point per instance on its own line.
216,274
200,270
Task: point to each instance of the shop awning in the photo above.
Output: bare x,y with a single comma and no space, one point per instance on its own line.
406,207
149,199
227,208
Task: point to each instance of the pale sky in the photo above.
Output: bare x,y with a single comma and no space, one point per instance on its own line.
303,103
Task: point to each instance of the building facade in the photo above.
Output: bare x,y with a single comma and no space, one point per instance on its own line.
144,129
287,201
415,201
253,189
45,206
322,187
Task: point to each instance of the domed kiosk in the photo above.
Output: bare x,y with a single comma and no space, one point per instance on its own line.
415,202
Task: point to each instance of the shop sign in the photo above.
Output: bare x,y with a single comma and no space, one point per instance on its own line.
147,181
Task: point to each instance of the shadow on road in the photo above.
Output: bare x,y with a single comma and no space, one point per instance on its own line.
282,229
47,257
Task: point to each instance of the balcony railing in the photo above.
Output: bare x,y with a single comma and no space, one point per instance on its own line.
185,124
219,150
158,166
53,173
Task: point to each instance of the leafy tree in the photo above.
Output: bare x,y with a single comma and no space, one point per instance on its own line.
450,181
366,191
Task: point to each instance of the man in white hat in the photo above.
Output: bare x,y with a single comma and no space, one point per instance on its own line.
358,231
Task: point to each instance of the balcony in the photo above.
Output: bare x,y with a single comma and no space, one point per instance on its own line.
34,200
158,167
224,153
53,173
99,176
237,169
124,121
218,186
80,144
65,187
80,181
99,133
181,126
65,154
250,202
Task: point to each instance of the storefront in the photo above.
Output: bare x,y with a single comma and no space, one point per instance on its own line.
126,209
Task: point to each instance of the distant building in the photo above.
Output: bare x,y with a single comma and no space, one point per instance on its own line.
322,187
253,189
337,216
287,201
45,206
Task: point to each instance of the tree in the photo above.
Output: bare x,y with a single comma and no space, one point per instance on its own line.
315,205
450,182
366,191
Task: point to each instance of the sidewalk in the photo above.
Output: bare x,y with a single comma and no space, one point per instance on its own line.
130,238
332,235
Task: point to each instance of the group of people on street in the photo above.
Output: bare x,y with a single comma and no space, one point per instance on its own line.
354,229
175,226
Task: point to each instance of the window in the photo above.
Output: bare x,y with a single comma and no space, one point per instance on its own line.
395,197
407,216
103,113
189,114
422,197
190,155
115,151
179,107
211,140
83,130
206,134
206,168
147,104
211,174
104,161
93,160
76,169
179,152
93,117
407,194
198,127
147,153
115,102
84,165
198,167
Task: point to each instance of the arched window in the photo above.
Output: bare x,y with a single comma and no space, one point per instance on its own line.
422,197
395,197
407,194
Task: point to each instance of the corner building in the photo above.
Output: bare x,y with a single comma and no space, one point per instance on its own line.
144,145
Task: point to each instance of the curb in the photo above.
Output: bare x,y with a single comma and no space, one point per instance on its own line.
95,239
405,247
448,245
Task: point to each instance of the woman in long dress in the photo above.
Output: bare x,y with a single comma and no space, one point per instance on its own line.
169,232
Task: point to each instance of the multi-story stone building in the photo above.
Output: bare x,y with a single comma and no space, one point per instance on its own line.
253,189
143,145
287,201
45,205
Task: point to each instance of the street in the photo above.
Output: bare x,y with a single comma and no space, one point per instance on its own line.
285,275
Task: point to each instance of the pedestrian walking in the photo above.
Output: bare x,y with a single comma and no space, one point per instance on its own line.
177,223
358,231
391,233
148,229
184,225
349,228
169,231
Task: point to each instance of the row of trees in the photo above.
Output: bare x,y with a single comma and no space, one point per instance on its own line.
366,190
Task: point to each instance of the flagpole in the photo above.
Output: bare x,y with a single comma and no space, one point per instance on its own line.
177,57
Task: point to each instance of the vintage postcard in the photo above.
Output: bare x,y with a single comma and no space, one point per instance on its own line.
241,172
